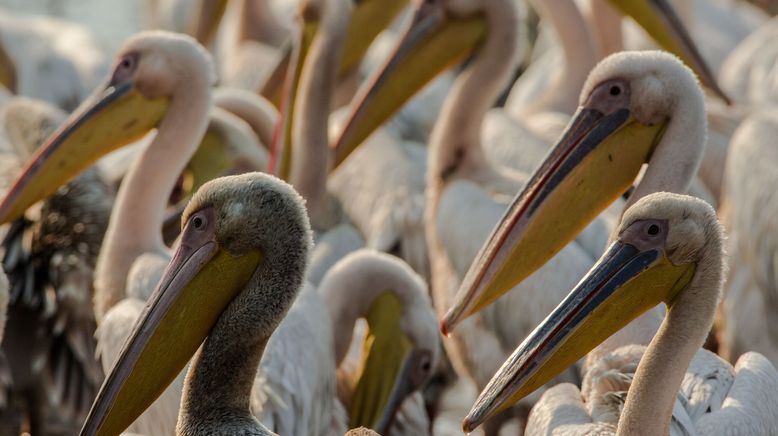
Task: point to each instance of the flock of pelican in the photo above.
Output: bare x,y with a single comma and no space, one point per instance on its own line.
352,216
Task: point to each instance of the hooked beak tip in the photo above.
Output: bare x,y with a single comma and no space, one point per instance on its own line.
467,426
444,330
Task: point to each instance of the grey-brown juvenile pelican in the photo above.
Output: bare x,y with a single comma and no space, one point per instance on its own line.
239,266
669,249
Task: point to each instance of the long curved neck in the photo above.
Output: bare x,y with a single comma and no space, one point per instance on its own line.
136,221
353,289
658,377
218,386
310,138
455,145
676,159
579,54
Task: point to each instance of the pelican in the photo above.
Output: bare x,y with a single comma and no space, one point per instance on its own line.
386,204
400,348
49,347
648,100
747,313
253,232
159,80
669,249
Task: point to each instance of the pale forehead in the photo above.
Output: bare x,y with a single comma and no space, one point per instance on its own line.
667,206
634,65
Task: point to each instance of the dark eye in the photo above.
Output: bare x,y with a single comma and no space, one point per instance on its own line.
615,90
653,230
426,366
198,222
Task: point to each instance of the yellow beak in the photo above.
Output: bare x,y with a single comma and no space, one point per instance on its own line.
660,21
595,161
116,116
368,19
7,70
281,162
386,372
625,283
433,42
197,286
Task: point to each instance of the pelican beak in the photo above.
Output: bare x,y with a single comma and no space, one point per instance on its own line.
281,161
660,21
7,70
387,370
197,286
626,282
433,42
115,116
368,19
595,161
228,147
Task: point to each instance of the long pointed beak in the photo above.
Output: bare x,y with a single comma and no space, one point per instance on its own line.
7,71
116,116
624,283
282,146
595,161
198,284
386,371
660,21
368,19
433,42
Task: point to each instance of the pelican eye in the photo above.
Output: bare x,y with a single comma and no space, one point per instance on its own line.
653,230
615,90
198,222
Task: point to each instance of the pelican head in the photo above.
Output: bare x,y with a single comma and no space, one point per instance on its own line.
635,108
238,268
401,348
152,71
663,248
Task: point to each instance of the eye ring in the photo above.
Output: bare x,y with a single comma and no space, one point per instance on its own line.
198,222
653,230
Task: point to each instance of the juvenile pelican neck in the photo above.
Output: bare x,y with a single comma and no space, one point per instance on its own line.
136,221
217,391
455,145
310,138
658,377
